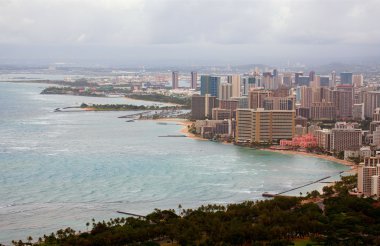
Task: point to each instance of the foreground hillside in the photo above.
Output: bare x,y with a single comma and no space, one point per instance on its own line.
331,218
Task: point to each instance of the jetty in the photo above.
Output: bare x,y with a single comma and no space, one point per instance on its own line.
131,214
266,194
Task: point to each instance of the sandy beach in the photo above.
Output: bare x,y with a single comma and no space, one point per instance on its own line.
185,123
353,167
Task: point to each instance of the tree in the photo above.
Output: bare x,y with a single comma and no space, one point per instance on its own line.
29,239
328,190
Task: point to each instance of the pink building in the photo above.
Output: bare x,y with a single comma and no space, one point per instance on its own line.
305,141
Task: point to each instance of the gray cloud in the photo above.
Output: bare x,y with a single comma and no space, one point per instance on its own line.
209,25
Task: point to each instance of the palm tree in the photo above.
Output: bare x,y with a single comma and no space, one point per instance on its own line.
179,208
29,239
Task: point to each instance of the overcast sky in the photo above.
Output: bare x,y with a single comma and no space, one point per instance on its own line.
189,31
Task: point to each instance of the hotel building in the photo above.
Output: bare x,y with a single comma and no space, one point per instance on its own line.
264,125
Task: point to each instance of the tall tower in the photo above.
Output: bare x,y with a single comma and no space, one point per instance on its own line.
194,78
175,79
234,80
345,78
312,76
210,85
333,79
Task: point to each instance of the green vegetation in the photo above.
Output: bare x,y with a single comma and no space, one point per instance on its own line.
79,88
185,101
71,91
191,129
342,220
125,107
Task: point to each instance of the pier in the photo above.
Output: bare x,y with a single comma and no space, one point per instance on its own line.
131,214
266,194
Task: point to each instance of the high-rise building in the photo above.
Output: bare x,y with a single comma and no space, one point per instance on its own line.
371,101
304,112
279,103
264,125
333,79
194,80
323,138
201,106
282,91
225,91
210,85
376,114
321,94
357,80
249,83
345,138
221,114
305,96
234,80
358,111
324,81
231,104
242,102
303,80
256,98
287,79
342,97
312,76
175,79
296,77
345,78
376,136
268,81
368,176
275,72
323,111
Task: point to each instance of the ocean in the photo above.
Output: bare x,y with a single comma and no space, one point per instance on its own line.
61,169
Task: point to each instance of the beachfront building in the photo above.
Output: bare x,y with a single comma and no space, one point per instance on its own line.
323,138
257,126
306,141
210,128
368,176
345,138
222,114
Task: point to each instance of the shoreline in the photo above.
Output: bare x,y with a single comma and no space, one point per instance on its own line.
353,168
185,123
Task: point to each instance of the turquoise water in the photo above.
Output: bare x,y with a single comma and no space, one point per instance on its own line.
63,169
